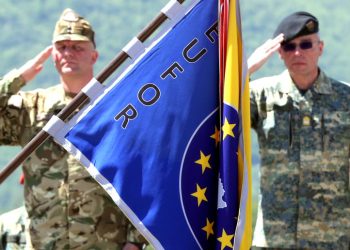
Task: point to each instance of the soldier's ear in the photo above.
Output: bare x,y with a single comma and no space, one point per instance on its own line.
321,46
280,53
95,56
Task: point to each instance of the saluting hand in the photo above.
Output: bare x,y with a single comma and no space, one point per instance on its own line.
31,68
262,53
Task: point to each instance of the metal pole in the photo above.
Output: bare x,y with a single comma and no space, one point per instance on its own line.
80,98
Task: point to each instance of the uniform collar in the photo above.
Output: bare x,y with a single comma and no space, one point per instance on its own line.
322,84
65,96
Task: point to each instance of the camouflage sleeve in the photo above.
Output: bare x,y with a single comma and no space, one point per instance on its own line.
11,83
134,236
254,116
11,113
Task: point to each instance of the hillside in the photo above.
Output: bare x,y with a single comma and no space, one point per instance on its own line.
24,33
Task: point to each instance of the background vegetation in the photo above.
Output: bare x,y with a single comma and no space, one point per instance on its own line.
27,26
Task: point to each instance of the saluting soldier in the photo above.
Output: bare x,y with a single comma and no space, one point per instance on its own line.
302,119
67,208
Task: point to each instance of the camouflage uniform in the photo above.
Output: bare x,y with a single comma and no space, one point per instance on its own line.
66,207
304,141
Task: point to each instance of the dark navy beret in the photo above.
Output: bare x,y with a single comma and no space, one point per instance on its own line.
297,24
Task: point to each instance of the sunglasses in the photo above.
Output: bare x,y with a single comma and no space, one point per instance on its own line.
304,45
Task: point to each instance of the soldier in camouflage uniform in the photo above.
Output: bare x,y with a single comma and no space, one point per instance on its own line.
66,206
302,119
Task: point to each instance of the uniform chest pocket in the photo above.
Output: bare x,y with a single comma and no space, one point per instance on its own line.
336,141
277,129
336,132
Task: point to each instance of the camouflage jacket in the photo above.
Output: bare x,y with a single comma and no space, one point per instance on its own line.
66,207
304,141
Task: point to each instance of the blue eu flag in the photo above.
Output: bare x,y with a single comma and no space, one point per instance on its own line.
152,140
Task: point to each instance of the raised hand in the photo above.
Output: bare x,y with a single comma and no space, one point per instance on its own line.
31,68
263,53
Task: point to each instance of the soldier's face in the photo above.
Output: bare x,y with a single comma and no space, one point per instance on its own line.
74,57
301,54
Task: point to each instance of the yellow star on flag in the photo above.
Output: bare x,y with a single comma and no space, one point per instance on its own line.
226,240
209,228
216,136
227,129
204,161
200,194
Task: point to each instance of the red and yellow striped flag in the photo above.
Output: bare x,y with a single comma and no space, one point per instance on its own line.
234,87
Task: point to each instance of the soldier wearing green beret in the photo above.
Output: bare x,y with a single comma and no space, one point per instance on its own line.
67,209
302,119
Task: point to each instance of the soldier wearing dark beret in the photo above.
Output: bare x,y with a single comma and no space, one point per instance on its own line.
297,24
302,120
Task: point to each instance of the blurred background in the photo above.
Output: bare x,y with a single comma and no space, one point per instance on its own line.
26,28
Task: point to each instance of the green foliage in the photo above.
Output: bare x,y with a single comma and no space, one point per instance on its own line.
11,192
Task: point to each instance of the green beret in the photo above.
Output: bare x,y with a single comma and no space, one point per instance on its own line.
297,24
72,26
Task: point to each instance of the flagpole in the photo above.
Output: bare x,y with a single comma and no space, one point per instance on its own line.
81,98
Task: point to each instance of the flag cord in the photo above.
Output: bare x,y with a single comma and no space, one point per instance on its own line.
81,98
